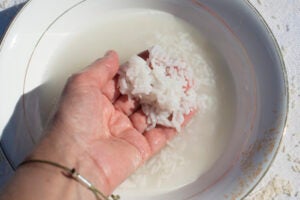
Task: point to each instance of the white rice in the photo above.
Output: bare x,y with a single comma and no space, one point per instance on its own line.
159,171
162,84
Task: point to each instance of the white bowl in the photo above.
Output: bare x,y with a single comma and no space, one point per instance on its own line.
234,27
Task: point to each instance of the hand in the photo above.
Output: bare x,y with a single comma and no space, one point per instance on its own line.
99,131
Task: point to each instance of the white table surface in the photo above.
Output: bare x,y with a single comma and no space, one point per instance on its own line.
282,182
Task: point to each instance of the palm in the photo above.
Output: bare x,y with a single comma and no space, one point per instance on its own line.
108,126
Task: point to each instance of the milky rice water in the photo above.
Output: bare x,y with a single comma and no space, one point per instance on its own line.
198,145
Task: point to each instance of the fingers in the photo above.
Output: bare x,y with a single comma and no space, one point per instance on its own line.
126,105
157,138
133,131
121,127
110,90
137,140
139,121
188,118
119,123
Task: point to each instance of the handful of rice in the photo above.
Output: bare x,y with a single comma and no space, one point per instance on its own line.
164,86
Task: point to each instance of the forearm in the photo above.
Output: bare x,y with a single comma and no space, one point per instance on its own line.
42,181
36,181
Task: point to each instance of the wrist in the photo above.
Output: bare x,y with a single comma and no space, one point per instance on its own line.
65,150
40,181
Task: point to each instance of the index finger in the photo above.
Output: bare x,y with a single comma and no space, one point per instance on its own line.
158,137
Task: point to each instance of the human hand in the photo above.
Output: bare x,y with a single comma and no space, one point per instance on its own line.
98,131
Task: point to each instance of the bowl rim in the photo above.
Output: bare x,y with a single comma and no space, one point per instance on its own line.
254,11
286,84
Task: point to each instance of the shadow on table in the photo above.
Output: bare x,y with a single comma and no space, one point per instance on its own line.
21,133
6,17
17,136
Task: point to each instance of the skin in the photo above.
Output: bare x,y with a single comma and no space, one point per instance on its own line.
95,130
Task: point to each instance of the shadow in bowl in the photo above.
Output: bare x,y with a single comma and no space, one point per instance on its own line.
19,136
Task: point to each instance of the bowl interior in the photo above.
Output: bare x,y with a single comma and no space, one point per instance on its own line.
249,58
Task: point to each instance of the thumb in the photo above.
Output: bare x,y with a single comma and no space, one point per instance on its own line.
103,69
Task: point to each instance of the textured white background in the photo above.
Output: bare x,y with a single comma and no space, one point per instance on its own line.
282,182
